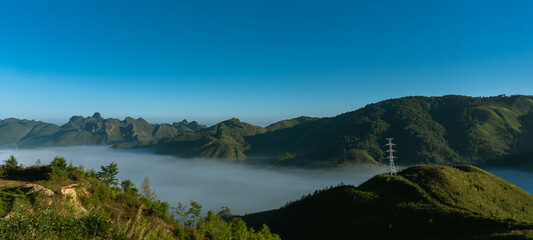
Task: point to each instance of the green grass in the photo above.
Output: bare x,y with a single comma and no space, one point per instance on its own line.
421,202
112,212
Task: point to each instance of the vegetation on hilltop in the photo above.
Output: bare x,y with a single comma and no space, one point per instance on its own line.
60,201
289,123
431,130
421,202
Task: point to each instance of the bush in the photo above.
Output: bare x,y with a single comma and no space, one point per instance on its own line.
59,163
128,186
58,167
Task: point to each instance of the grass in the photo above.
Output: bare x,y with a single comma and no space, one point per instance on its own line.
111,212
421,202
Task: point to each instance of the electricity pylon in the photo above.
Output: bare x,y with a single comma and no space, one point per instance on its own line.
391,156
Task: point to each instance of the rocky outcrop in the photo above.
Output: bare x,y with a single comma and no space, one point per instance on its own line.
36,188
69,192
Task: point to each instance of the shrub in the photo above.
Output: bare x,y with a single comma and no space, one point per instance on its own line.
128,186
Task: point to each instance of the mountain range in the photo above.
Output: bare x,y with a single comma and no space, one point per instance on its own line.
427,130
93,130
446,130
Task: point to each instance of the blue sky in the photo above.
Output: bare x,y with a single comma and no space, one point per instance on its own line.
260,61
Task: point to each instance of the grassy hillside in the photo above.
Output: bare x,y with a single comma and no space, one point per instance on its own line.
441,130
60,201
421,202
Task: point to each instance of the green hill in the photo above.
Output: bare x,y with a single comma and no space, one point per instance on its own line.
223,140
421,202
441,130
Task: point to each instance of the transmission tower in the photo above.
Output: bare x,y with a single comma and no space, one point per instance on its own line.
391,156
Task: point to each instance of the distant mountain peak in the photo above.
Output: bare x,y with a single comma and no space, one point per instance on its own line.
75,118
97,115
232,120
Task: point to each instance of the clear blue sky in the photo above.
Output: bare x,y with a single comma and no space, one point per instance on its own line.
260,61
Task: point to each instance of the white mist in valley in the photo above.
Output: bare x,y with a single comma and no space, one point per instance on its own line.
213,184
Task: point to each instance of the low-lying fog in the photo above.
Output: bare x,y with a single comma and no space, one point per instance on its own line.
213,184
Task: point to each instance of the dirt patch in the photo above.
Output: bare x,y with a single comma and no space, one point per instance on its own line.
5,184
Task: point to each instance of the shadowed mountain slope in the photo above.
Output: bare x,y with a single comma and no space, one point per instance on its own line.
442,130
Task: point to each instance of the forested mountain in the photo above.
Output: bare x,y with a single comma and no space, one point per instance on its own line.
441,130
289,123
421,202
93,130
435,130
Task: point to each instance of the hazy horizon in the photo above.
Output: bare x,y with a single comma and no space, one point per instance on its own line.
259,62
208,123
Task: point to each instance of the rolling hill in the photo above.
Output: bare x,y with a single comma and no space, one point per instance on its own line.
421,202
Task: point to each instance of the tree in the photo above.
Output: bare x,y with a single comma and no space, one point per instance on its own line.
224,212
109,174
238,229
180,212
194,213
59,163
146,191
11,162
128,186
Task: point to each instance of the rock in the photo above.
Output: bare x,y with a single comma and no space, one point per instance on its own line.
69,192
32,188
